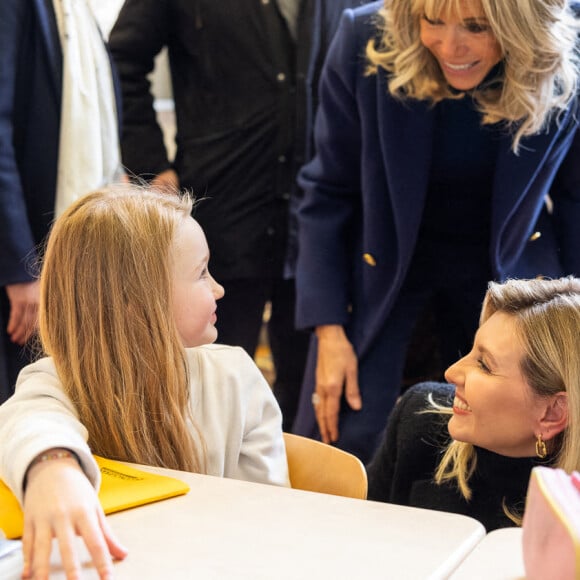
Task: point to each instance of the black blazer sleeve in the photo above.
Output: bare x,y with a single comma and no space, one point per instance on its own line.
139,34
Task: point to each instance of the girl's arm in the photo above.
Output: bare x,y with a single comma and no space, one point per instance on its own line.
40,416
45,460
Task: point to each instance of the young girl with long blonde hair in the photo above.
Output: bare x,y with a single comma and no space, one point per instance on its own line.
127,318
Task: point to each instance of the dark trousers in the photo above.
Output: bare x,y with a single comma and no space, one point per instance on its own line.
381,367
240,314
13,357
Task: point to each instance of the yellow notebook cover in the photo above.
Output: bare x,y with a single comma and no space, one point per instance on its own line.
122,487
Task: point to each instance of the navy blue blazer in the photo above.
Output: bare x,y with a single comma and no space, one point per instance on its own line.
30,97
365,190
30,108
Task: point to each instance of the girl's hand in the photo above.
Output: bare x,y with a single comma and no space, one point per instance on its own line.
61,503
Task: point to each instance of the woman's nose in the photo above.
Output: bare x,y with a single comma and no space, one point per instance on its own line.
452,43
454,373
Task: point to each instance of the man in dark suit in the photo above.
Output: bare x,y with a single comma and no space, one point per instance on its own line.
244,75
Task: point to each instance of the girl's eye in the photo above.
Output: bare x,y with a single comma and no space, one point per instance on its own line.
483,366
204,273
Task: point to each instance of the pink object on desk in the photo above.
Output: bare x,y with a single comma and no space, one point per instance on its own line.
551,526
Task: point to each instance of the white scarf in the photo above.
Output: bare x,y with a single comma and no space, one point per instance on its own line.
289,10
89,154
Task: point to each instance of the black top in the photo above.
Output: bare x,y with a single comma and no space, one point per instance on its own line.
456,221
402,470
458,203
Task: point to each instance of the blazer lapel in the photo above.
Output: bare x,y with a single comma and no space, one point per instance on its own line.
406,136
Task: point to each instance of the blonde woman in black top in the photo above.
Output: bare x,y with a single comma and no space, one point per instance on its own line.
514,402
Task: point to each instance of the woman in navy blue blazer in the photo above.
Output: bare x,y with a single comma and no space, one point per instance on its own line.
447,156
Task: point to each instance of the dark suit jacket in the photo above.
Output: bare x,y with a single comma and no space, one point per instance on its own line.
243,101
30,108
30,96
364,195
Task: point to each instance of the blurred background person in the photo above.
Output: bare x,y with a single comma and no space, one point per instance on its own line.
243,76
58,138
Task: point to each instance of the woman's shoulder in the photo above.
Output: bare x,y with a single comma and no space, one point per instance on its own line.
363,19
368,9
428,395
415,435
419,410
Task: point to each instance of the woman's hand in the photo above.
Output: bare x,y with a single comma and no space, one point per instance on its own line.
23,320
61,502
336,370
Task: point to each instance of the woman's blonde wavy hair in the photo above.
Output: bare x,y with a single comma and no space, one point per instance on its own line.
547,321
539,41
105,318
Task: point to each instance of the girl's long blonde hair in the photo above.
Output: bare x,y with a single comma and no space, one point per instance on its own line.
547,321
539,41
105,319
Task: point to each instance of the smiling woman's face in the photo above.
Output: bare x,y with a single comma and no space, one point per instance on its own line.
494,406
463,45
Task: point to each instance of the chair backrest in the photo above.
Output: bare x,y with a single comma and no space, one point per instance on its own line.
316,466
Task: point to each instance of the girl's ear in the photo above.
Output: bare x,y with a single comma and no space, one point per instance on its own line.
555,417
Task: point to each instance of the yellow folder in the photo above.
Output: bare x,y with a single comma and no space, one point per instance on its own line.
122,487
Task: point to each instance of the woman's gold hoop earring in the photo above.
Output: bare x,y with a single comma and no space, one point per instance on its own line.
541,450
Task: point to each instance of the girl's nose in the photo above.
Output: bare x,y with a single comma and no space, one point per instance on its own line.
218,289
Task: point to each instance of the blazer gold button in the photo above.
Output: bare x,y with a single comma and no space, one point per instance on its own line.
369,259
535,236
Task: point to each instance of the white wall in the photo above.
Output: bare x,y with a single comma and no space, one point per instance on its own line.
106,12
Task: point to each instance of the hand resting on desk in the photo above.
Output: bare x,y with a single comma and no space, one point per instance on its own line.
61,503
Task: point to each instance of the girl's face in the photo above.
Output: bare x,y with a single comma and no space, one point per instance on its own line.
195,292
494,407
463,45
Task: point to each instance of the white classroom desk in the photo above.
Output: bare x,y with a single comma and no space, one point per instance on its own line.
497,557
226,529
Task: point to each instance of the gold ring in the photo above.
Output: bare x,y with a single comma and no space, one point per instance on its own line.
315,399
